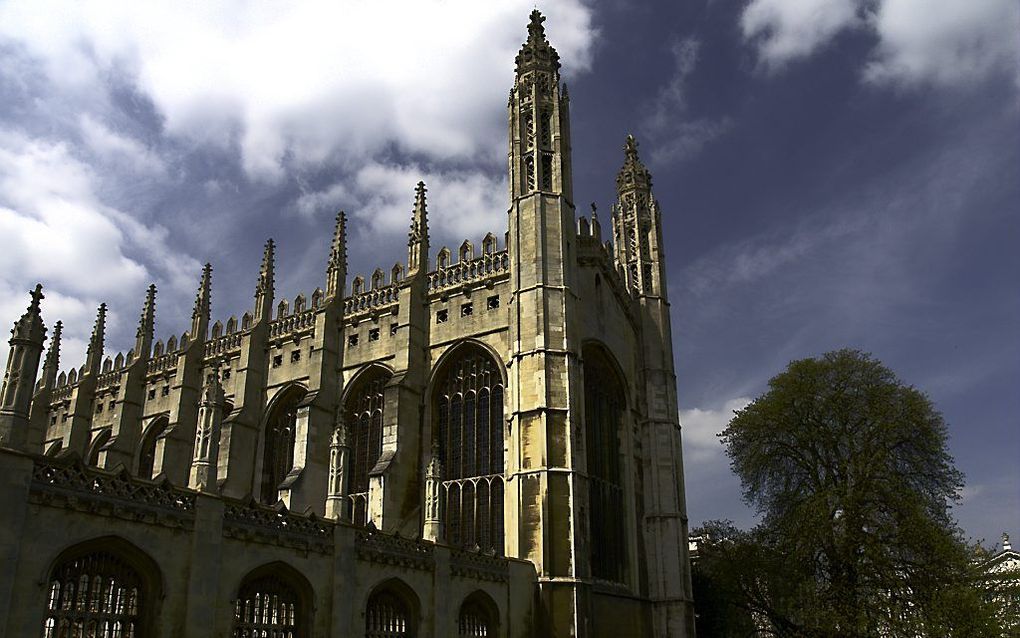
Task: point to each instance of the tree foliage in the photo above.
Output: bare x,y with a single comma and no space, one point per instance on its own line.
850,472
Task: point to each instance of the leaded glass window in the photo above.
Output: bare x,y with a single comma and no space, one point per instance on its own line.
278,450
468,422
96,595
475,620
604,405
363,414
268,607
388,616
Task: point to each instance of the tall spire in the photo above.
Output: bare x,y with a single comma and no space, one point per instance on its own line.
264,291
52,364
94,355
146,324
336,271
418,237
203,304
30,325
633,174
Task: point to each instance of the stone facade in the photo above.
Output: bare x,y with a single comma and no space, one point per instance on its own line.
486,447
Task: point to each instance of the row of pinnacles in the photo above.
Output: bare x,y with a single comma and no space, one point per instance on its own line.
96,410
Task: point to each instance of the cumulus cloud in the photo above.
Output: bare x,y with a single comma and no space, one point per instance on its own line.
676,134
957,43
114,147
701,428
298,83
58,231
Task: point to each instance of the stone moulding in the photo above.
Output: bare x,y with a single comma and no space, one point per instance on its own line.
380,548
252,521
70,484
478,566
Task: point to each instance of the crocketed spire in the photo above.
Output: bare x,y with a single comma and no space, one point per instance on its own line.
633,175
537,53
30,326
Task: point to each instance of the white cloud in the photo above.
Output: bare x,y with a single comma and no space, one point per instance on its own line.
701,428
299,83
957,43
668,123
786,30
954,43
59,232
126,152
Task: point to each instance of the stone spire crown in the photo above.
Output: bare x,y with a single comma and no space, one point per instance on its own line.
94,355
336,269
51,366
418,236
30,325
146,323
265,284
203,305
536,53
633,175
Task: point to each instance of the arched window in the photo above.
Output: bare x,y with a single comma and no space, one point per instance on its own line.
147,449
391,612
272,603
363,414
278,448
99,439
98,593
478,617
468,425
604,405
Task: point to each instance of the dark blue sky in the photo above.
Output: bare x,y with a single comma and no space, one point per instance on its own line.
832,173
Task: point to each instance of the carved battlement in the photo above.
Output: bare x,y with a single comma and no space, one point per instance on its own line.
252,521
226,345
487,266
392,549
293,325
371,299
163,363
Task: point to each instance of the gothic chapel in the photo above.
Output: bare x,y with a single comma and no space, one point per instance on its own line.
482,443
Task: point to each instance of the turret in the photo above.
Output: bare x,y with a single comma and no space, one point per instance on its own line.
336,270
539,119
637,227
418,236
207,435
27,338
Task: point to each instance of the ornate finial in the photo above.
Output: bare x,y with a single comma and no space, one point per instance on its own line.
1006,546
94,355
37,296
203,302
633,174
266,272
338,253
419,216
594,211
537,54
147,320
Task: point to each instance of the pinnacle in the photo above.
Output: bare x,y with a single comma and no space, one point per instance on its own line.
633,174
535,29
37,296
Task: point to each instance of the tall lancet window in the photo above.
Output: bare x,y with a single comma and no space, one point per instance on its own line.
278,447
468,425
604,405
363,415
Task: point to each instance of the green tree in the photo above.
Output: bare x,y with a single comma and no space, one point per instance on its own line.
849,470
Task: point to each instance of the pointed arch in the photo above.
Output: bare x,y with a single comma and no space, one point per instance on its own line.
99,439
392,610
147,445
102,584
605,406
363,405
466,399
478,616
278,438
273,600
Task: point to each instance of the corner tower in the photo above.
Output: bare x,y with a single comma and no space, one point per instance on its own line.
543,481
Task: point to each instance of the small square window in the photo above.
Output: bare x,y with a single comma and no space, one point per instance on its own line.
53,420
492,302
112,403
295,356
352,340
466,310
99,408
152,393
278,361
393,329
373,334
166,391
63,418
226,373
442,316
